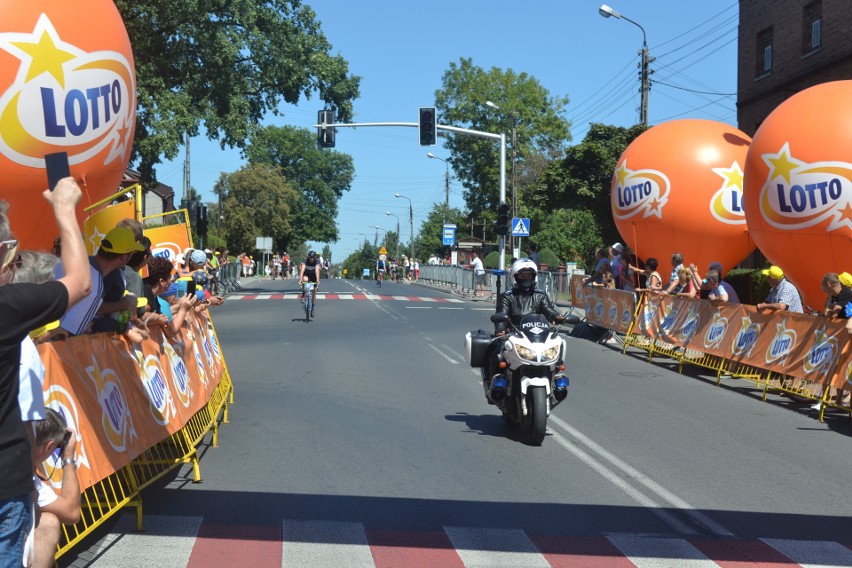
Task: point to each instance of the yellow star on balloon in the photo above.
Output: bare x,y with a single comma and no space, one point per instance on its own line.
46,58
733,176
782,165
621,174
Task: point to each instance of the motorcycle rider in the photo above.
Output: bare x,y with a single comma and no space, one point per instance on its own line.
521,300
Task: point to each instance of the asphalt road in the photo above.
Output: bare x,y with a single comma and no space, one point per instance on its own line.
362,439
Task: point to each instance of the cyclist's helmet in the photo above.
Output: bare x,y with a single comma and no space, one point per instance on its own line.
312,254
524,273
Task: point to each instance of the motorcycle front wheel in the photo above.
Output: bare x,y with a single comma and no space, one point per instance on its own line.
535,422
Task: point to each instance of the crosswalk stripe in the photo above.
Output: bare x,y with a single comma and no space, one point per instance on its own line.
580,551
308,544
178,541
654,552
230,545
493,548
812,553
167,541
392,549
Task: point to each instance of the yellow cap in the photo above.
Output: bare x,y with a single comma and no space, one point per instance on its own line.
120,240
774,272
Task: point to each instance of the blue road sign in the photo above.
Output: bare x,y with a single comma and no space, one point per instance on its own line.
520,227
449,235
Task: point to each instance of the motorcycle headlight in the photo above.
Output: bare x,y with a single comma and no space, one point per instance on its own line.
550,354
525,353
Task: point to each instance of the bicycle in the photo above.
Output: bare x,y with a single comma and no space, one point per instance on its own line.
308,299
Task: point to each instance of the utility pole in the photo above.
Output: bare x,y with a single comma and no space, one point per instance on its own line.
186,183
645,76
447,198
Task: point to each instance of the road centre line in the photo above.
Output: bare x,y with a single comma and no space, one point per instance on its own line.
676,502
444,355
450,308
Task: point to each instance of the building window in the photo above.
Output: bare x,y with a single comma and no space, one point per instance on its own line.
764,53
811,27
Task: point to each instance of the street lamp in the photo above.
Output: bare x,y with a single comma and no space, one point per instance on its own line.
376,241
410,220
446,184
397,233
607,12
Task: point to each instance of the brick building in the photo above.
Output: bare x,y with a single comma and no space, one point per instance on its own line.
786,46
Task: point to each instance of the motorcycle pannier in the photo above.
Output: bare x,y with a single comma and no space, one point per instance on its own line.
476,342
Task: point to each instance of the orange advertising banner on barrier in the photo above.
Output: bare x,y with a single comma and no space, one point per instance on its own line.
792,344
97,225
577,290
123,398
612,309
168,241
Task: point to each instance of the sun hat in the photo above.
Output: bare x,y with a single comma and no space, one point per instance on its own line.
774,272
121,241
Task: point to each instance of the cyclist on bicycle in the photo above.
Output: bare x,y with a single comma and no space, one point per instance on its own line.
309,271
381,268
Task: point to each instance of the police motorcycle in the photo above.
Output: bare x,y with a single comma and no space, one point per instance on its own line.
529,380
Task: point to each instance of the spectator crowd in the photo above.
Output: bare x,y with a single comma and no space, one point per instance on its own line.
121,289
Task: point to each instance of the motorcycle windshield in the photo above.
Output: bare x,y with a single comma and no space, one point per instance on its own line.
535,327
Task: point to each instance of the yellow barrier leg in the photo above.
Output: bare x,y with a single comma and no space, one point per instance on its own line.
196,468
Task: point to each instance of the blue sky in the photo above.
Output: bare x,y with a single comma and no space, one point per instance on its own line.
402,48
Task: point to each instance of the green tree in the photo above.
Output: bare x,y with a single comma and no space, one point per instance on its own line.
430,234
320,176
572,234
582,179
256,201
525,105
225,64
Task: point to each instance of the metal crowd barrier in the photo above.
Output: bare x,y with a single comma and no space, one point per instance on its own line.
123,488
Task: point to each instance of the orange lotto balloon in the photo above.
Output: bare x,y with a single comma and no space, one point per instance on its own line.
67,84
678,188
798,187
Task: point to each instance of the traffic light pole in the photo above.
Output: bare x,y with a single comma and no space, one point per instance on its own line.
476,133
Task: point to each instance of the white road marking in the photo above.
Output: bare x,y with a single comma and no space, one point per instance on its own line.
654,552
450,308
812,553
638,477
495,547
167,541
325,543
444,355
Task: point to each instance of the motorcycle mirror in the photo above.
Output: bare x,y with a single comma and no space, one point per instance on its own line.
499,317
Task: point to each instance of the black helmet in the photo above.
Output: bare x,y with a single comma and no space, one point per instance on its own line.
312,254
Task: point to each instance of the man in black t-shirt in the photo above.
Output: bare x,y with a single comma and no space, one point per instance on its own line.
26,307
310,272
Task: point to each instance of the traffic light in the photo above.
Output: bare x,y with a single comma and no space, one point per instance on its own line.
502,222
325,134
428,127
201,221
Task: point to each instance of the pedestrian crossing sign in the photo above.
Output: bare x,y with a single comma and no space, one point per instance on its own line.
520,227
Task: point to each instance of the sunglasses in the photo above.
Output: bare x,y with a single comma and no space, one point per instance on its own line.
8,252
